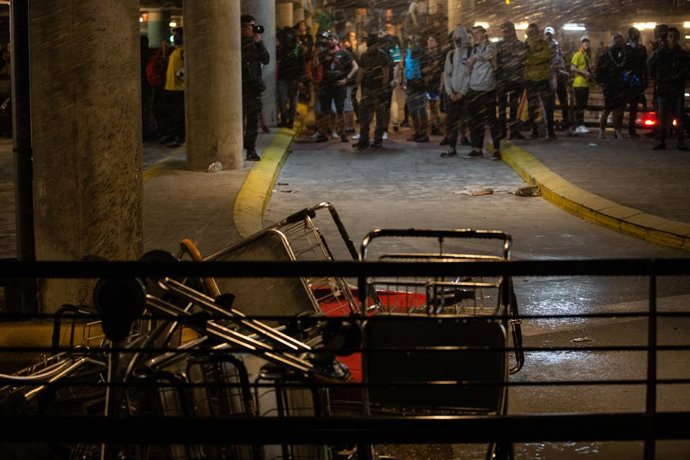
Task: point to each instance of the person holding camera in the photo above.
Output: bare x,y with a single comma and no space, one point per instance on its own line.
254,55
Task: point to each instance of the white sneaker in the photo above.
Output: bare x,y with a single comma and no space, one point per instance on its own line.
385,135
581,129
355,137
334,135
315,135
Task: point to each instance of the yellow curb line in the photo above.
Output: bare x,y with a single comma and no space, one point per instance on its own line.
594,208
157,168
256,191
257,188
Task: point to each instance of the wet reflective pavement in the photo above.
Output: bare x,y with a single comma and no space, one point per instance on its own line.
409,185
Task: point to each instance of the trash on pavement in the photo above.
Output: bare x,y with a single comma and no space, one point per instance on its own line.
215,167
531,190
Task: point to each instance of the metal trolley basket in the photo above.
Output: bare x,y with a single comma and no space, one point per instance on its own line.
438,345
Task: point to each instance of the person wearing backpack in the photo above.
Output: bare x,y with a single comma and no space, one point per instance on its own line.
374,82
482,96
456,84
417,62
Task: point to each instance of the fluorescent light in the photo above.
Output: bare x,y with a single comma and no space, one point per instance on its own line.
644,25
686,25
521,26
571,26
172,24
481,24
494,39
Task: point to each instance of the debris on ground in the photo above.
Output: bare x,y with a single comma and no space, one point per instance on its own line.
215,167
582,339
531,190
475,191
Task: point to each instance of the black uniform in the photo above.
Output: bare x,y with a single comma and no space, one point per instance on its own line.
254,55
375,65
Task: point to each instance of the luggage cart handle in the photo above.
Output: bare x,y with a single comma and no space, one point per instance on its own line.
439,234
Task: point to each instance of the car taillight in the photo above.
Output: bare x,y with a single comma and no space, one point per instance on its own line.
648,120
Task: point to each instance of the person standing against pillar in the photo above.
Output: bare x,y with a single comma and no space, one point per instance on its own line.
254,55
174,86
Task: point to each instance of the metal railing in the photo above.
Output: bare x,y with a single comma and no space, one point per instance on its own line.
330,427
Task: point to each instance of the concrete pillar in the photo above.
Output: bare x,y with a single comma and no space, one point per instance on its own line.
467,13
86,132
213,91
298,15
453,16
264,11
284,15
158,28
436,6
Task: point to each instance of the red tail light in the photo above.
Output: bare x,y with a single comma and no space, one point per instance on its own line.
648,120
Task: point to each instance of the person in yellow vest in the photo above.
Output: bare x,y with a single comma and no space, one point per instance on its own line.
581,66
538,72
174,87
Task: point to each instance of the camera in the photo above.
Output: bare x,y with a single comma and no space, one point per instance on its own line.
258,29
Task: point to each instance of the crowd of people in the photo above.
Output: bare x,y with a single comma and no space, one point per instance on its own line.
455,86
509,86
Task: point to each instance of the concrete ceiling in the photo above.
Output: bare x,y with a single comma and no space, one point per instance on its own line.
171,4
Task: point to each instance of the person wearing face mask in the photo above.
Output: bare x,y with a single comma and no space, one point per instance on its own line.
634,76
338,69
481,65
374,81
456,84
510,57
417,64
538,57
609,75
669,65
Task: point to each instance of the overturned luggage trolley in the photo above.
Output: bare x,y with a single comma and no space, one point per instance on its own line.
199,347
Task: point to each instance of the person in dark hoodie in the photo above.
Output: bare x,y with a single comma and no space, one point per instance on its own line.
509,79
669,67
375,82
609,75
417,64
634,76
